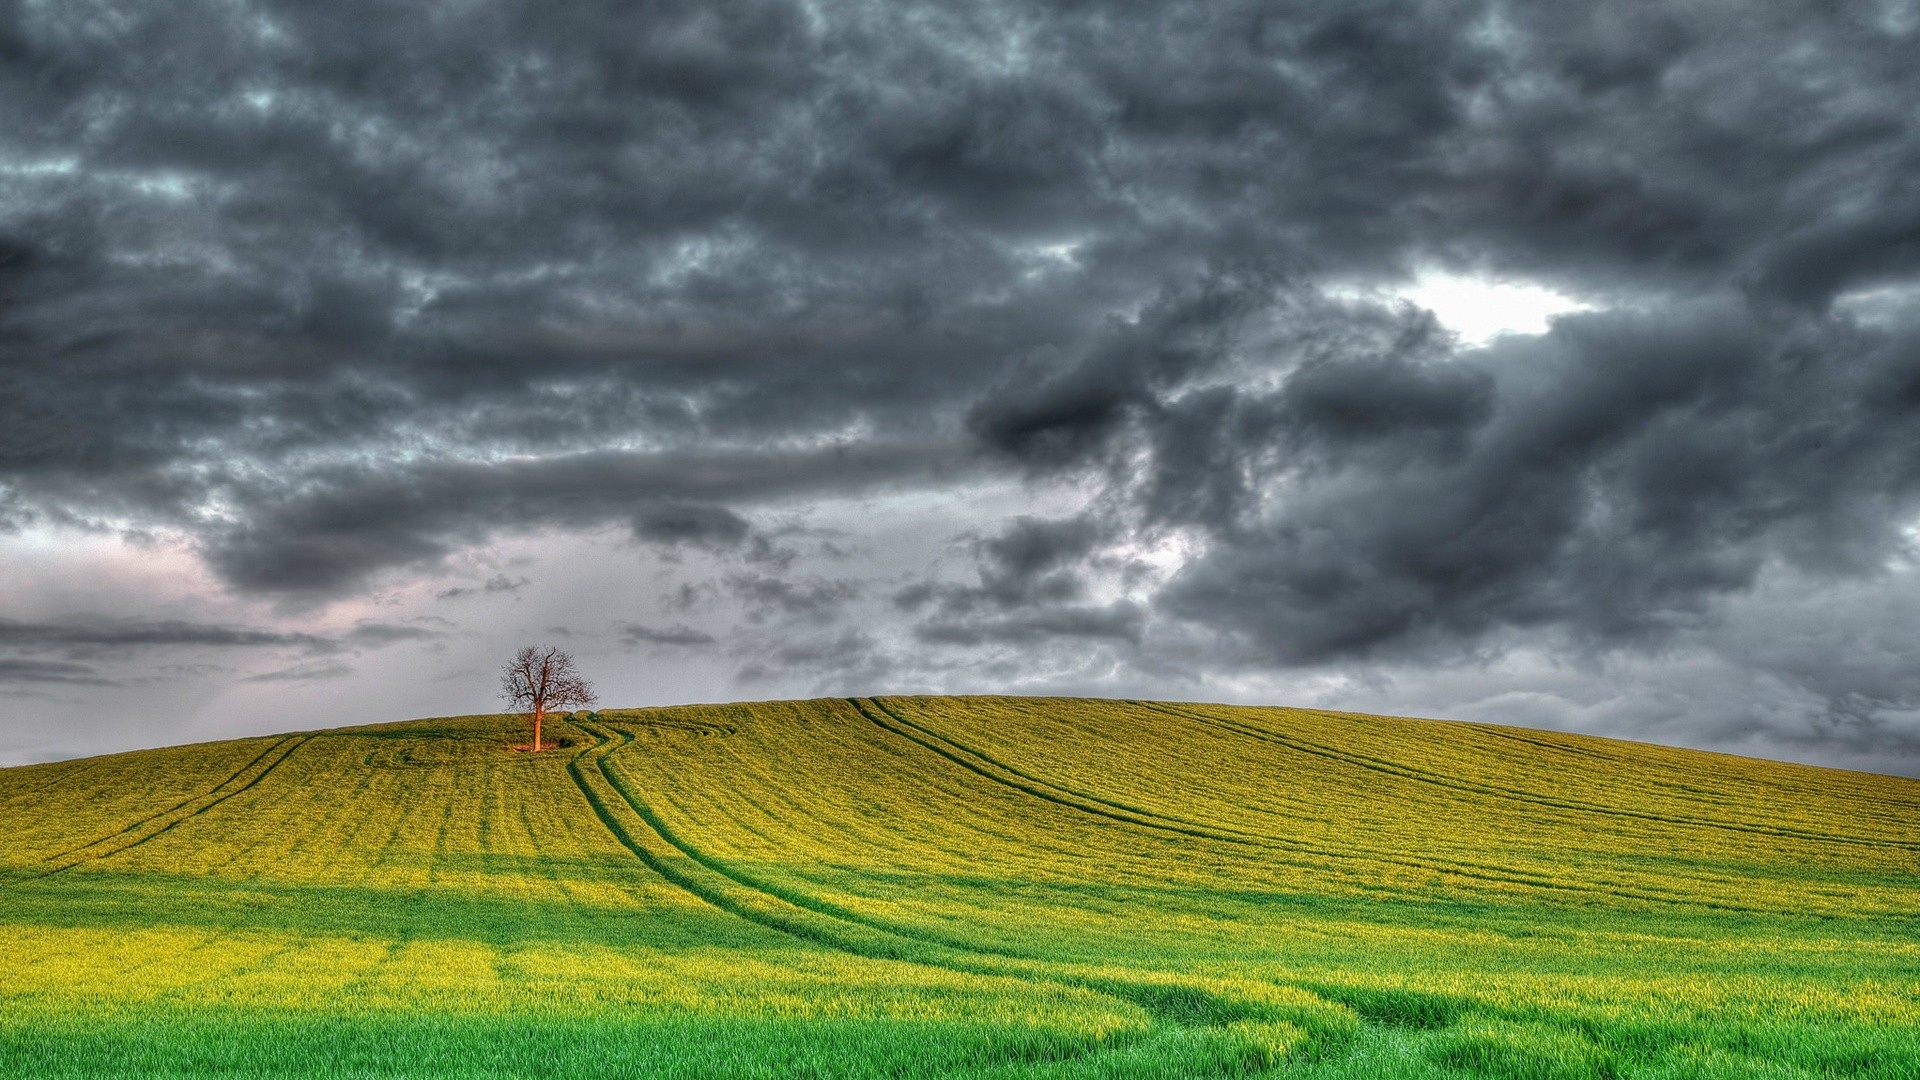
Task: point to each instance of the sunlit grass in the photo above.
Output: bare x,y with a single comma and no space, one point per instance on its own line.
957,886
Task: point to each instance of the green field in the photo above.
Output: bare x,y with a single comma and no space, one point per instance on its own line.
988,887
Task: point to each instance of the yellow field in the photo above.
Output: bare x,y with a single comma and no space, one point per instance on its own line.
957,886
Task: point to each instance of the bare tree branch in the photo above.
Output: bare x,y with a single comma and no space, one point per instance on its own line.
540,679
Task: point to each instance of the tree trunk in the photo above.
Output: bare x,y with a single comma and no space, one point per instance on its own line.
536,729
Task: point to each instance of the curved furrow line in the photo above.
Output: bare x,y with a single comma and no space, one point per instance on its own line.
1580,806
1071,799
1183,770
1498,875
1715,797
1577,751
1475,871
172,816
1663,781
753,882
996,763
216,799
1169,1002
182,804
1690,787
622,818
1420,776
963,835
1302,855
1886,811
1047,790
790,801
63,776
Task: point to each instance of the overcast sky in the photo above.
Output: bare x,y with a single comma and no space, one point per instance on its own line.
1542,363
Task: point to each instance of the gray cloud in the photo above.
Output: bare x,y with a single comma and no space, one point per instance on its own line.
1032,587
303,673
377,634
634,634
498,583
333,530
831,662
690,523
33,672
334,295
92,636
98,633
1119,620
1613,477
804,599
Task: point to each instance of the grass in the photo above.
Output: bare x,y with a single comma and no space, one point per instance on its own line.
986,887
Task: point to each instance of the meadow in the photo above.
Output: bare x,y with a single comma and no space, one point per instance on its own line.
976,887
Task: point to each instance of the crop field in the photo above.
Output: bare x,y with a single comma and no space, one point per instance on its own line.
978,887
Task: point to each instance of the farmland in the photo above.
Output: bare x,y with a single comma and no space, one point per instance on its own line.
989,887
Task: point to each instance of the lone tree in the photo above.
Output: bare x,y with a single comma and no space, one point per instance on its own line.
540,679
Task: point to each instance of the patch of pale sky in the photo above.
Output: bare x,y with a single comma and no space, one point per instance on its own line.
1049,258
1880,304
1479,309
47,570
1899,17
1475,308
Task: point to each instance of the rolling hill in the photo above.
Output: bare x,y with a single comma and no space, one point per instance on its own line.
990,887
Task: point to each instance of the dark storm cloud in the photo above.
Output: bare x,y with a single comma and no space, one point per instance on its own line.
800,600
122,633
302,673
337,291
1074,414
97,636
1612,478
834,663
635,634
337,526
1033,561
1119,620
1032,588
376,634
35,672
497,584
690,523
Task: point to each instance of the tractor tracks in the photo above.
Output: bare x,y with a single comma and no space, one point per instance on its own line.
163,821
1305,854
632,822
979,763
1407,772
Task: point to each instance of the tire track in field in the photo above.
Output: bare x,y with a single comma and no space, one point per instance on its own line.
1676,782
982,765
269,749
1894,812
62,777
959,752
164,821
1499,732
1172,1003
1494,874
1407,772
976,762
1687,785
664,858
1426,776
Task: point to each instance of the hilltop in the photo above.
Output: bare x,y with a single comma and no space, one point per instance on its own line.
957,886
